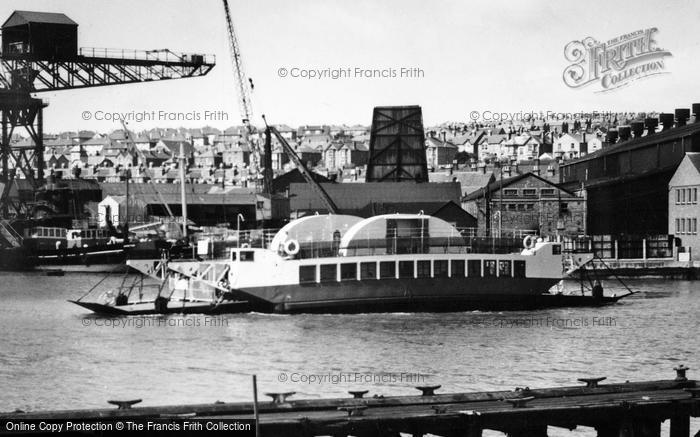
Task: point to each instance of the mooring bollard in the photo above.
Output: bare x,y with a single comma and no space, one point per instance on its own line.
519,402
680,373
357,410
358,394
592,382
428,390
280,398
124,405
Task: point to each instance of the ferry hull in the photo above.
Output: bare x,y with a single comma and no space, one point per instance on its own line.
412,295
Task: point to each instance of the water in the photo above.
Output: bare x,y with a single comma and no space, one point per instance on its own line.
55,355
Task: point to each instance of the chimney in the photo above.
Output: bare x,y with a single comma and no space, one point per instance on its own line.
637,128
651,124
624,133
666,121
682,116
696,112
611,136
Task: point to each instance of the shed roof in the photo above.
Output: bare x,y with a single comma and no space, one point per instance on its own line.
20,18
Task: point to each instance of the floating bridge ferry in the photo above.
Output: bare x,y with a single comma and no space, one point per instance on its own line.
347,264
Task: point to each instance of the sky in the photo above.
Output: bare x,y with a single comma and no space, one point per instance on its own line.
481,56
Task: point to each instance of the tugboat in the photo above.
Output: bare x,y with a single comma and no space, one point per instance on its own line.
347,264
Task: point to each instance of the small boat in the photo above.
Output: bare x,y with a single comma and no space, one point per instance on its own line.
347,264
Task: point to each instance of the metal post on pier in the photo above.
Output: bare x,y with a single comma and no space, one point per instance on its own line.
255,405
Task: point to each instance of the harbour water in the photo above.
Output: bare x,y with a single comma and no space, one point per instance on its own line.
55,355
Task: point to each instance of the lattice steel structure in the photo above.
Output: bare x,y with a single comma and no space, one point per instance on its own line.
397,145
39,55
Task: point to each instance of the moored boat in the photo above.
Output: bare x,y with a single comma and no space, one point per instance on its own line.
386,263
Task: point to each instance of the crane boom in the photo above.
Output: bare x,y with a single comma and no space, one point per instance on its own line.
325,198
243,85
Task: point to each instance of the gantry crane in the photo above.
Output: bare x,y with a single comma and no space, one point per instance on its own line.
244,87
47,59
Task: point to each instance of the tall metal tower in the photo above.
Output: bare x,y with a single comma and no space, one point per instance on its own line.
244,86
40,53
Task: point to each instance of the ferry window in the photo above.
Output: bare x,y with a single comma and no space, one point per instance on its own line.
474,268
348,272
457,268
440,268
247,255
233,255
405,269
307,274
556,249
368,270
387,269
329,272
518,269
423,269
504,268
490,267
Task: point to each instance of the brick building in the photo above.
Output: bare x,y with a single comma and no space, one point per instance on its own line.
527,202
683,208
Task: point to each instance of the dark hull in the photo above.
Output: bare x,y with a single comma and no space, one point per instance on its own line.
415,295
148,308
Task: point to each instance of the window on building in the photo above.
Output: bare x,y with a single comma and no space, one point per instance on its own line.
405,269
348,272
368,271
440,268
695,195
530,206
387,269
678,226
489,268
521,207
682,226
556,249
510,192
504,268
457,268
329,272
518,269
307,274
678,196
529,192
423,269
547,192
683,196
247,255
563,208
512,206
474,268
694,226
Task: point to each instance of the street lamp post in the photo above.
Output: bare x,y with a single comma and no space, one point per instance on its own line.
239,219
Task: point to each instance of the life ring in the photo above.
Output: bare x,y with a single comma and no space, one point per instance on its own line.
529,242
291,247
245,246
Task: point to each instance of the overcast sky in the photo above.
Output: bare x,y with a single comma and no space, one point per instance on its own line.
494,56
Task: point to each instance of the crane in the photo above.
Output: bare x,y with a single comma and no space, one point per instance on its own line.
325,198
244,87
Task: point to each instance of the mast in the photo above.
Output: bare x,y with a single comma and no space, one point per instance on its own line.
183,194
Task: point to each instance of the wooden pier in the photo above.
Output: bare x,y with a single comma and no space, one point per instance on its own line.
629,409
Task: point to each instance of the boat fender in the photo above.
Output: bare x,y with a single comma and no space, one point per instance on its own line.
245,246
529,242
161,304
291,247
